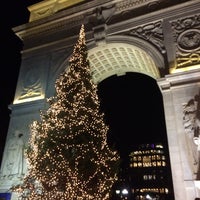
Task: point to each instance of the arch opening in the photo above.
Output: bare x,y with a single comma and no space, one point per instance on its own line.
133,108
134,112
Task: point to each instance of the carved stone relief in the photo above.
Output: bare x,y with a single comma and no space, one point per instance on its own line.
31,84
187,40
151,32
13,165
191,121
98,19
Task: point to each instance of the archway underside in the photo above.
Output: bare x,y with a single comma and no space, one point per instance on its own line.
119,58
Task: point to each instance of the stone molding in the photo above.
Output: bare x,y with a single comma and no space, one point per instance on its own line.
187,40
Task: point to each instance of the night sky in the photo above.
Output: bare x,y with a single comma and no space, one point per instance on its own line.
133,107
132,103
13,13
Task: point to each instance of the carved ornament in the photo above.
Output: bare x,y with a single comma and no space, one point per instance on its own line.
151,32
187,40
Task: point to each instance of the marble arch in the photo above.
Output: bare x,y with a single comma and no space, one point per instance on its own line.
120,55
119,58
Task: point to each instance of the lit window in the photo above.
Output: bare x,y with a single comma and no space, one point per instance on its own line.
154,164
163,163
159,163
145,177
135,164
163,157
139,164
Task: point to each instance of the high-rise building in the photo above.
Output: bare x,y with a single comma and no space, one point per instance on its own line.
146,174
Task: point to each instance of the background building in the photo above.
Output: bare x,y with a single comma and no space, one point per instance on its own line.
150,172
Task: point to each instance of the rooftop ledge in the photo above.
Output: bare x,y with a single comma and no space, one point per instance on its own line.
49,7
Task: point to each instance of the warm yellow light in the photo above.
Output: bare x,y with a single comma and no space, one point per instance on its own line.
18,101
48,7
68,155
184,69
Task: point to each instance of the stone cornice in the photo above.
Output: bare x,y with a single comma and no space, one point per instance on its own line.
68,21
49,7
57,21
169,13
179,79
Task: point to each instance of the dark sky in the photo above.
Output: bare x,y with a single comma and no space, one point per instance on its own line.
14,13
133,108
131,102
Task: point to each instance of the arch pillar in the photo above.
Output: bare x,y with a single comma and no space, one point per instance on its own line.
177,90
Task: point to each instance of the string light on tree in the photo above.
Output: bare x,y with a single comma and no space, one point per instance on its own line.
68,154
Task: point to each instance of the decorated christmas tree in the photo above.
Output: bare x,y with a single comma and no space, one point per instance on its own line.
68,155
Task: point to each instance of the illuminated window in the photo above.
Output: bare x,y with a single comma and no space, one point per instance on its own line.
163,157
135,165
154,164
158,157
163,163
153,157
159,163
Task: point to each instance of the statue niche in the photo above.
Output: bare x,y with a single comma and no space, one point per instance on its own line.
13,162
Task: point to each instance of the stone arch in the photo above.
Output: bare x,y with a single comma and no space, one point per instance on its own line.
124,54
119,55
119,58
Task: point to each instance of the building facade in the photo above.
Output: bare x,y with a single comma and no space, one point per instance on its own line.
150,173
158,38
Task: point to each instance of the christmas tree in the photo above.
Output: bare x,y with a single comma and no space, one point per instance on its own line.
68,155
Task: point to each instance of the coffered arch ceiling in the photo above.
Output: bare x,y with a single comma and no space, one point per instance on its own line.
119,58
